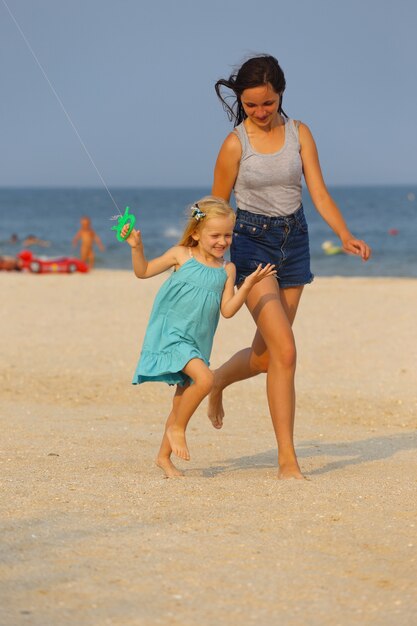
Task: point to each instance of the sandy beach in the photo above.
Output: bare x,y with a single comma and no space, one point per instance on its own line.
92,533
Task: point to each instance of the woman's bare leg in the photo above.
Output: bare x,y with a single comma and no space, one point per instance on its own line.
270,312
247,362
240,366
190,399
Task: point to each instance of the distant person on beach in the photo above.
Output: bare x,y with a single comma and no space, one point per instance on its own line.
10,263
88,238
184,317
32,240
262,161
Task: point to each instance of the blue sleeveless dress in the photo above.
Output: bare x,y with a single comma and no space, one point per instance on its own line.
182,324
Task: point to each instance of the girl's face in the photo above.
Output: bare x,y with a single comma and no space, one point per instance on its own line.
214,237
261,104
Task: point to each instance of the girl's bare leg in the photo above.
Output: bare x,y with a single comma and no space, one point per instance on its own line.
187,405
163,458
247,362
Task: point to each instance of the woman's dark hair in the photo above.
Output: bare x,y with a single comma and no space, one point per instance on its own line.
257,71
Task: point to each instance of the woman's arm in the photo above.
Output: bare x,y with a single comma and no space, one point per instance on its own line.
232,301
227,167
144,268
321,198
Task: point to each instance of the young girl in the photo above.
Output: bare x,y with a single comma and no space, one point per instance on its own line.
184,317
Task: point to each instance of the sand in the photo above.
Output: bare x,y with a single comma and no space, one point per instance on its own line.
91,532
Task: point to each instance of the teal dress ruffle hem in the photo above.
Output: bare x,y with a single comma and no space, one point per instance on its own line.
182,323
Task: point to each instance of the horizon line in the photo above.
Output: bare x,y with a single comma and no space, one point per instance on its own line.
194,186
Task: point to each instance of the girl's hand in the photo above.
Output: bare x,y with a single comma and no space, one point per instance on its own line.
259,274
351,245
134,240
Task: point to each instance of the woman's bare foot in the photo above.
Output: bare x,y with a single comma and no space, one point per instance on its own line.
176,438
215,409
290,470
168,467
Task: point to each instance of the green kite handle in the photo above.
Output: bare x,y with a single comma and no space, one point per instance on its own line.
127,218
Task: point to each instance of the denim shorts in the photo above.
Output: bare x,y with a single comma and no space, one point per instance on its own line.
282,241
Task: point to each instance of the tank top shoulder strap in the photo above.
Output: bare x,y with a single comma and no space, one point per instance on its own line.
240,131
294,126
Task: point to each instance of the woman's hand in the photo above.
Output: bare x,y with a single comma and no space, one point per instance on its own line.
351,245
323,201
135,239
259,274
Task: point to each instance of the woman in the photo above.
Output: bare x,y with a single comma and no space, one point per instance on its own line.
262,161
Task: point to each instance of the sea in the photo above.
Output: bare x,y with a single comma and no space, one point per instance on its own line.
384,216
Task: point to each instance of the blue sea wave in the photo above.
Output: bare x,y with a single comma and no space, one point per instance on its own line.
386,217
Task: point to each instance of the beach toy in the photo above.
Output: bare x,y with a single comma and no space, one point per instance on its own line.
329,248
50,265
127,218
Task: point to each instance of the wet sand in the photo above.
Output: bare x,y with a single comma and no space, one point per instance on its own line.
92,533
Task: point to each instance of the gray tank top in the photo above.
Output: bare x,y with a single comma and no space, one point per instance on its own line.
270,184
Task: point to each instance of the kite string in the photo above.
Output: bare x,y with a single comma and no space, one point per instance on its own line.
25,39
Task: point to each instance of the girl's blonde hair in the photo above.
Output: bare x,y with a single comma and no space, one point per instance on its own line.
198,214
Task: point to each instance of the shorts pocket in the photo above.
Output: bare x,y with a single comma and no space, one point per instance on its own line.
302,223
250,230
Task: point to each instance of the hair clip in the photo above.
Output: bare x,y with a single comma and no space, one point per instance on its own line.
197,213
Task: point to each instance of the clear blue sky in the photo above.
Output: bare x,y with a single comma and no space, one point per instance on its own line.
137,80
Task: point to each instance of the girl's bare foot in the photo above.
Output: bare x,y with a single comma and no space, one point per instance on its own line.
168,467
215,409
176,438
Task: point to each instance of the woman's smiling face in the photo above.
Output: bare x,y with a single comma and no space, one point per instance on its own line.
261,104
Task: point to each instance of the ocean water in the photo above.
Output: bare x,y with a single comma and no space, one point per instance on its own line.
385,216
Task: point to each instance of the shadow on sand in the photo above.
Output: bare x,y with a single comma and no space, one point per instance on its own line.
345,454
